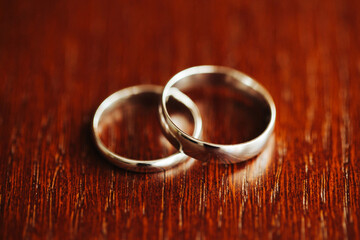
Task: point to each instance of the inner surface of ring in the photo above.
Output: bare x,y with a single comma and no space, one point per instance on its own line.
232,112
131,127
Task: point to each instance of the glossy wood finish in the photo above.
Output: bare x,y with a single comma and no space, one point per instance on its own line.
60,59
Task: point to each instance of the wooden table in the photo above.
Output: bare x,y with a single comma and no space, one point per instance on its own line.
60,59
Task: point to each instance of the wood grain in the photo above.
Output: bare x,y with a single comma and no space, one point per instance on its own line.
60,59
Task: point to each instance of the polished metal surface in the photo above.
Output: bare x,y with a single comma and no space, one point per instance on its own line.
142,165
193,146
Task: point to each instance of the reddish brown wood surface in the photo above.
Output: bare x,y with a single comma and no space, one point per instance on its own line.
60,59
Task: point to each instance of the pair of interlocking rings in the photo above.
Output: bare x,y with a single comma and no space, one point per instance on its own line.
190,145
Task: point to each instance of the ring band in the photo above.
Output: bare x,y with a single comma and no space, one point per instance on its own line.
142,165
192,146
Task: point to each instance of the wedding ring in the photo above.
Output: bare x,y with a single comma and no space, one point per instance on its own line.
134,164
216,75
